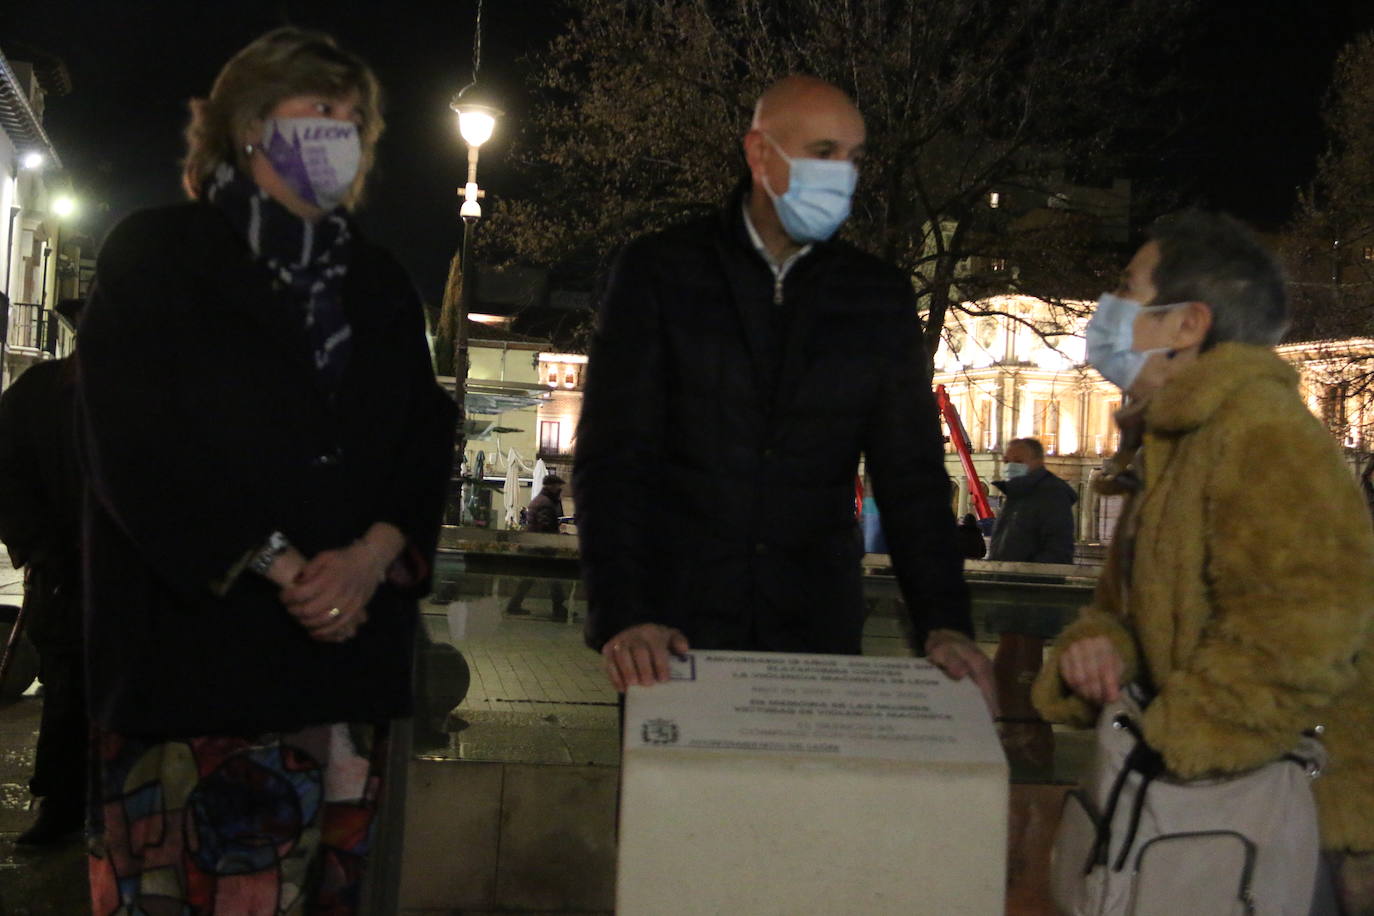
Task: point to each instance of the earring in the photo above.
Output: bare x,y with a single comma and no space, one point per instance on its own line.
249,149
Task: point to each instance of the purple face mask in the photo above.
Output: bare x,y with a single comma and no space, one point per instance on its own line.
317,157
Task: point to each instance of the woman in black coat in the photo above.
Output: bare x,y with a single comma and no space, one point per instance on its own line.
267,450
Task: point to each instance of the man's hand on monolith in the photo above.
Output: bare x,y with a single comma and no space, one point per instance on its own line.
638,655
958,656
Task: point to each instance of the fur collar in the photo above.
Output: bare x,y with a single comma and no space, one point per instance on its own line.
1189,399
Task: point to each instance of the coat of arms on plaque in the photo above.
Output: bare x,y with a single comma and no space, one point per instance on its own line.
659,731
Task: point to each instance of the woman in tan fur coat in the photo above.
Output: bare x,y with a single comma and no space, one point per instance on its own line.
1240,585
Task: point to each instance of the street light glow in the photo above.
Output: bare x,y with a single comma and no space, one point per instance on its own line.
32,160
476,118
476,126
64,206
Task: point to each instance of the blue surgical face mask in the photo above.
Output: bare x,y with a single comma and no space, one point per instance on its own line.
1110,336
817,199
1015,469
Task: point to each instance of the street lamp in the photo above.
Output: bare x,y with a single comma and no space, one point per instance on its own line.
32,160
64,206
476,122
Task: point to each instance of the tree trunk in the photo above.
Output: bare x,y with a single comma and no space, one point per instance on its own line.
445,334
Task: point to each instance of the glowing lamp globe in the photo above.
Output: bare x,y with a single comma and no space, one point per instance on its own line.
476,118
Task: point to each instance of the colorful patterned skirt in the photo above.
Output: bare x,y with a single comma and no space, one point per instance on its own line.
272,824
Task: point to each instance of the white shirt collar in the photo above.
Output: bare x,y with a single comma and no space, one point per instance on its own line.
779,270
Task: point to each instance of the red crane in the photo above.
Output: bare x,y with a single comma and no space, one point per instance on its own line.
959,436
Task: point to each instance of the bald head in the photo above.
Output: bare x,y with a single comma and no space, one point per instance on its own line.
801,118
805,103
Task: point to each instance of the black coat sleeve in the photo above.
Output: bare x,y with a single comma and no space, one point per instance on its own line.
25,516
620,440
906,463
415,493
191,513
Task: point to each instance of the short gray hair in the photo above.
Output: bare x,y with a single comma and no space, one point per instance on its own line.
1034,446
1214,258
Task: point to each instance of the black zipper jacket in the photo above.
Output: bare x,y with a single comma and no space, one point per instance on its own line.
721,433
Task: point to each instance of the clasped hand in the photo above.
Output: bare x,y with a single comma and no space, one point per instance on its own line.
329,593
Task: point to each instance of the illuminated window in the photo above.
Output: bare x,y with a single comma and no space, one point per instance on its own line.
1334,409
999,265
994,200
1369,253
1046,420
548,435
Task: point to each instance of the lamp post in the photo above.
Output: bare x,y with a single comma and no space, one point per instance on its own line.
476,122
63,207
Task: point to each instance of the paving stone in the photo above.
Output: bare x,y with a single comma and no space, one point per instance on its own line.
565,863
452,836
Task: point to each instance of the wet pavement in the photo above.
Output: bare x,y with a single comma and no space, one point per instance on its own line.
51,882
32,883
534,692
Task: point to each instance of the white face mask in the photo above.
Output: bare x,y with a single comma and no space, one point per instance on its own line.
317,157
1110,336
1015,469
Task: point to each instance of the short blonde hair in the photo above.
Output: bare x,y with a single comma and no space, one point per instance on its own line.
283,63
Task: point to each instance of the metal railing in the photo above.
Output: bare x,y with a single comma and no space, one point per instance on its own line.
31,325
555,454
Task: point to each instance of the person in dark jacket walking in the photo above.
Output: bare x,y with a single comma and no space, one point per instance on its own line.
1036,523
40,523
547,507
542,517
740,365
267,452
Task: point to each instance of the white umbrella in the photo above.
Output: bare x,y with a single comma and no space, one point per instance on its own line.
540,472
511,491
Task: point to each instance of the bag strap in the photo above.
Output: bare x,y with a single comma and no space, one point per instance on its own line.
1102,841
1148,763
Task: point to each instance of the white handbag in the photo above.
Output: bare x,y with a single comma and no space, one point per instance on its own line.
1134,841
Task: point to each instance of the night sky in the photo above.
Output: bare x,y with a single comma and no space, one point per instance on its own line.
1251,117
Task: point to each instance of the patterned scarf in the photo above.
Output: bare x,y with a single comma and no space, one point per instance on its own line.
311,259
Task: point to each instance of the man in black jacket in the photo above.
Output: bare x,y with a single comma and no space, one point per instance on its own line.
40,523
740,366
1036,524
